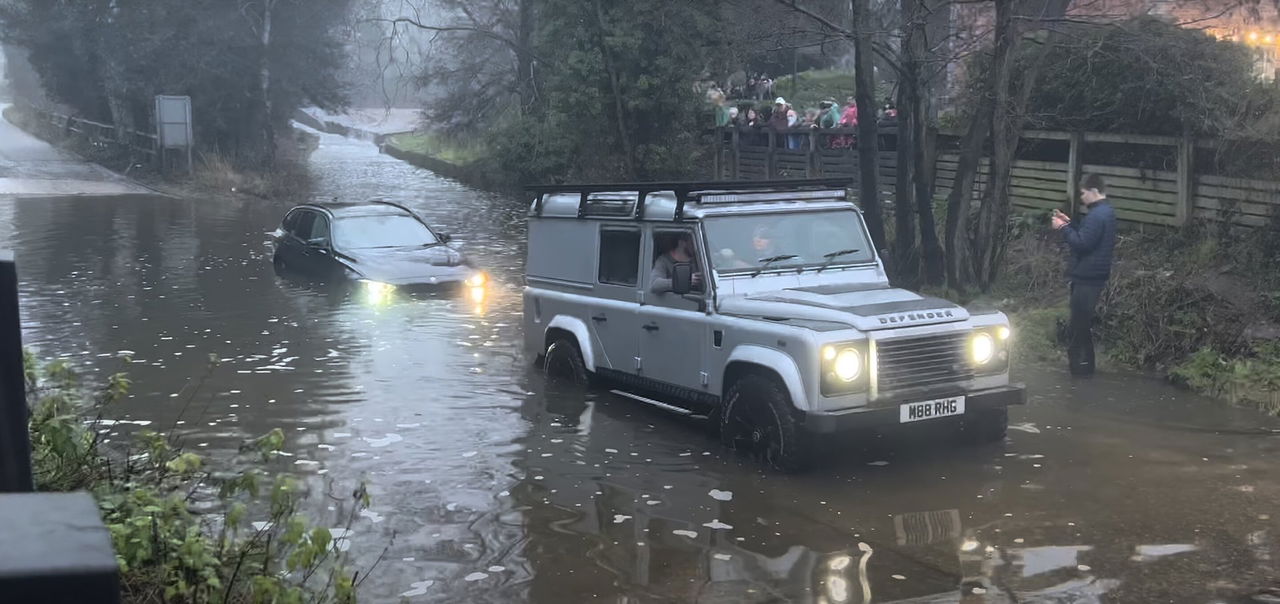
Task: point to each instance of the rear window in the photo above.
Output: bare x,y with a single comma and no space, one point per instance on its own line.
620,256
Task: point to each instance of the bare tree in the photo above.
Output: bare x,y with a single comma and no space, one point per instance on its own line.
1013,20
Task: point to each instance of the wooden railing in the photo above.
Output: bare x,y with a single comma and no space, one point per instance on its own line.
98,133
1165,197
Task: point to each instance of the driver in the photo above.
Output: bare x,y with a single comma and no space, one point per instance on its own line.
680,250
762,246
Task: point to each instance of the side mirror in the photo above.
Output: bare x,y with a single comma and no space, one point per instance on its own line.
682,278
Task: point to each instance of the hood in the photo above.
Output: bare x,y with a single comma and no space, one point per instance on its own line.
865,308
403,265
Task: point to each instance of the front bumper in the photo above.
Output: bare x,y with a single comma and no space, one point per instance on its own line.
975,402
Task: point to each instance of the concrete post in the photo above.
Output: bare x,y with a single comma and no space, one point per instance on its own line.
15,443
57,550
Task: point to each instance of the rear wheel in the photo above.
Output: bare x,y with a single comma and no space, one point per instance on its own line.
562,362
757,417
985,426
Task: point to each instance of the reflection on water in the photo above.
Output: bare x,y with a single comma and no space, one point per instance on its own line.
489,487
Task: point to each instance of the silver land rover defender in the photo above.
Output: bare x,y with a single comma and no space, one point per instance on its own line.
761,305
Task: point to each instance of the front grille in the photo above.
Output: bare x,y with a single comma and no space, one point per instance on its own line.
922,361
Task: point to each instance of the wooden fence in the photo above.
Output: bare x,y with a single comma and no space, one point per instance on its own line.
97,133
1145,196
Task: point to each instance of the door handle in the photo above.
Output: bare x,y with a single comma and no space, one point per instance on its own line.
651,327
599,318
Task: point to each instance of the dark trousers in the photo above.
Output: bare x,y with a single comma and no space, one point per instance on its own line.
1084,299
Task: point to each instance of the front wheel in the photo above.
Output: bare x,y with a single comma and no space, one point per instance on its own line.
757,417
562,362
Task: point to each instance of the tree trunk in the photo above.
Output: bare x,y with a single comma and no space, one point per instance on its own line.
868,143
628,154
959,272
922,157
115,85
988,239
264,80
906,254
525,83
991,238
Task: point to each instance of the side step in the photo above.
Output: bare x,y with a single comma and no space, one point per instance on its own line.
659,404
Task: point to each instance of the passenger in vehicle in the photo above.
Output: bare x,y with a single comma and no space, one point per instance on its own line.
680,250
762,246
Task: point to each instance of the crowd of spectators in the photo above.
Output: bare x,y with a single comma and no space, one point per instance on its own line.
782,117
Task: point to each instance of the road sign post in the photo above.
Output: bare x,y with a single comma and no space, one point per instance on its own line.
173,127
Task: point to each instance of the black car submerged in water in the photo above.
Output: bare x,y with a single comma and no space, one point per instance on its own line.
381,245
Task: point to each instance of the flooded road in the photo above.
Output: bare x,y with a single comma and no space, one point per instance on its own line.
486,487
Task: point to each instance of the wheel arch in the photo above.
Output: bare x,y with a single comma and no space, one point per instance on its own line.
758,359
576,329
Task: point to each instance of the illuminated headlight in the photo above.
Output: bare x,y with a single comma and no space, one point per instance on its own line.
848,364
377,291
477,280
843,368
982,348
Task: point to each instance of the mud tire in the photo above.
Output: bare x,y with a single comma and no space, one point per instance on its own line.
757,417
562,363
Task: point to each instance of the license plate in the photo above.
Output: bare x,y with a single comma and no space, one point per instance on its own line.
942,407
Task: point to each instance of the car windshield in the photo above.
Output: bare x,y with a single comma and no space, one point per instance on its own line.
362,232
798,239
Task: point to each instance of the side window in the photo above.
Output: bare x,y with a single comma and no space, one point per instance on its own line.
303,223
619,257
680,246
291,222
320,228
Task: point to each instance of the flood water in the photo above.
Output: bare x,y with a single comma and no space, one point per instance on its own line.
488,487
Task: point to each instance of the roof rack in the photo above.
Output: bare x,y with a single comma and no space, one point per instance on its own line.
714,191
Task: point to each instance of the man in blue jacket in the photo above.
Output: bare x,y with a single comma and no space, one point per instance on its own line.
1092,240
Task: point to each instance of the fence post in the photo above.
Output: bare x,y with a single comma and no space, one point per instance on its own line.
737,156
814,161
15,444
1073,172
717,153
770,167
1186,179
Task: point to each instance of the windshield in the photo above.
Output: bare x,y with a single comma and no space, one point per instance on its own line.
361,232
746,243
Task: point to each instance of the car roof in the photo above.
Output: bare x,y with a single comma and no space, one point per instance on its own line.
374,207
689,200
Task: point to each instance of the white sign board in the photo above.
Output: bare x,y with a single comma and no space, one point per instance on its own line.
173,121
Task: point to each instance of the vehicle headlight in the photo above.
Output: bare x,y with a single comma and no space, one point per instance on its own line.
982,348
377,291
843,368
848,364
477,280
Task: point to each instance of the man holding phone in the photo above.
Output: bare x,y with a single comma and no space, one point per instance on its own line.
1092,240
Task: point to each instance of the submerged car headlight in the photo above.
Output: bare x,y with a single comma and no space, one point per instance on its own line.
477,280
377,291
982,348
844,368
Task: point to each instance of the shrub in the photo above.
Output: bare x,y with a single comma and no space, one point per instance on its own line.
167,551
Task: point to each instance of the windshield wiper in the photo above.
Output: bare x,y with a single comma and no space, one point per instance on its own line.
771,260
832,257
